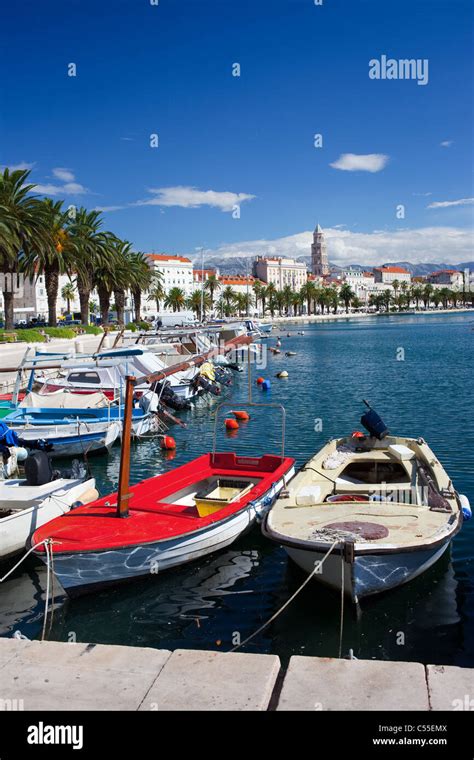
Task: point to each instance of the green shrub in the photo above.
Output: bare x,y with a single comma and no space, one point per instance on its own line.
60,332
89,329
142,325
132,326
7,337
30,336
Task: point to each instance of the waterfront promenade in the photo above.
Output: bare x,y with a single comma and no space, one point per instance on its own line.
64,676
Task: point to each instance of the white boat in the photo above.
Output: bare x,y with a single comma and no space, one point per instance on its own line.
24,508
107,370
380,511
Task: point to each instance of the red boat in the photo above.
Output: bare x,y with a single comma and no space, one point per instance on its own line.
173,518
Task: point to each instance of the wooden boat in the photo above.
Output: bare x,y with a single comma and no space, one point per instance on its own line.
24,507
173,518
385,505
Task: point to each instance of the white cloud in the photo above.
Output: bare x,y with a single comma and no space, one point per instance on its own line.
65,175
73,188
422,195
446,204
48,189
353,162
446,143
192,197
22,166
425,244
108,208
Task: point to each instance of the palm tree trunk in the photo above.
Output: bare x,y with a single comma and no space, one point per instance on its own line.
120,304
84,289
8,304
51,279
104,304
137,303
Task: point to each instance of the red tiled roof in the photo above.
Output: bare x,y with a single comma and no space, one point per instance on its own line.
446,271
368,274
167,257
393,270
236,279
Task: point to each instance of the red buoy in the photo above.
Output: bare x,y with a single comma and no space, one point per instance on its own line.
167,442
357,434
260,380
241,416
231,424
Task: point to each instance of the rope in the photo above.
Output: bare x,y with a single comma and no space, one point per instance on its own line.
46,548
341,623
317,568
21,560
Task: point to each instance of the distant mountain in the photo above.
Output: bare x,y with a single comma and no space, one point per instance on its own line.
242,264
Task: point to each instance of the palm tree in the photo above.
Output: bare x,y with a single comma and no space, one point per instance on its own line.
446,296
386,299
68,294
427,293
212,284
23,230
108,272
309,293
396,287
346,294
156,293
194,303
405,294
55,258
416,294
91,248
257,288
333,296
176,299
297,302
229,298
243,302
287,298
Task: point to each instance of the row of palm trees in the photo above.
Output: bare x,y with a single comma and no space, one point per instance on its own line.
39,237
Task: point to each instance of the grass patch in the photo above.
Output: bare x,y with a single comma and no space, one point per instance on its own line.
60,332
30,336
89,329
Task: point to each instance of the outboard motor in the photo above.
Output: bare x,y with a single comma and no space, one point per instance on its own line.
373,423
38,469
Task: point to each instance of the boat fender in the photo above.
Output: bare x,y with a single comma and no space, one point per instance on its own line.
465,506
282,374
231,424
266,385
87,497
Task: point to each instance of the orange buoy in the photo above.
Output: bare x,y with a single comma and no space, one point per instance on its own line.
260,380
244,416
167,442
231,424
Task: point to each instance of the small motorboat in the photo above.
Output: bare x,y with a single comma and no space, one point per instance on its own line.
381,507
74,423
173,518
29,502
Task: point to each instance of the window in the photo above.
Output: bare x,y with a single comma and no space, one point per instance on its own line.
83,377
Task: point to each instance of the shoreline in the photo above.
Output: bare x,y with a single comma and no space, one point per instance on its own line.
362,315
52,675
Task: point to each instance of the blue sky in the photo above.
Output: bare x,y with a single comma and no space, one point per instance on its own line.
167,69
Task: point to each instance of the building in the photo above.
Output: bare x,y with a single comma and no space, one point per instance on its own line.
202,275
451,278
238,282
319,255
29,300
176,272
280,272
388,274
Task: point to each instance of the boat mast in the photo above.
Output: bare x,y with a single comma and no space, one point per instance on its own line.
124,494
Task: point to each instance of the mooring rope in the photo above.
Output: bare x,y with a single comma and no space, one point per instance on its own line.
316,570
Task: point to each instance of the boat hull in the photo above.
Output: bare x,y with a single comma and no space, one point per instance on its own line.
18,527
73,440
83,572
368,574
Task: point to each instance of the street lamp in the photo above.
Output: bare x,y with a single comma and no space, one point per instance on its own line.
201,249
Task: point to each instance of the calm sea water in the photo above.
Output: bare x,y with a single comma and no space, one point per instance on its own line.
429,393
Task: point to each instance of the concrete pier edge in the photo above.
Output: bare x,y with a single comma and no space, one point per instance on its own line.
53,675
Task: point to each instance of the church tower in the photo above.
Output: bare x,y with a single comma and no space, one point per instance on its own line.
319,254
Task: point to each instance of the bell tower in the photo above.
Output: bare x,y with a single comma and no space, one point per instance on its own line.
319,254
